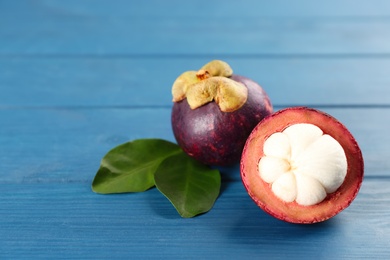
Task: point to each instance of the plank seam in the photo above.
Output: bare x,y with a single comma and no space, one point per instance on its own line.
198,56
276,106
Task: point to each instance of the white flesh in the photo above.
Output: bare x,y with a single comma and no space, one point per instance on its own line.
302,164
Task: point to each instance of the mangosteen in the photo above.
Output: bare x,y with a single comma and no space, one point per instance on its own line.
214,111
302,165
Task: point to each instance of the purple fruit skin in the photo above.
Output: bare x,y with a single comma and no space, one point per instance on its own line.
214,137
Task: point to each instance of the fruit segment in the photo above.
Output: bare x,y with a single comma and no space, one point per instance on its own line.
302,164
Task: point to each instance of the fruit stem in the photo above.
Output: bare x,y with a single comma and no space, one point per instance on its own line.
203,74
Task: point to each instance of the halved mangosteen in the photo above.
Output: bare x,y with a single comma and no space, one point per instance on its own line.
302,165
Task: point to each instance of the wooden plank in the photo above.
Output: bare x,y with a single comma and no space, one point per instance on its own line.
70,221
177,8
57,82
77,28
53,145
79,77
66,145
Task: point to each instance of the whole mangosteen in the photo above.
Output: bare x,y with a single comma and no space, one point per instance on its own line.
214,112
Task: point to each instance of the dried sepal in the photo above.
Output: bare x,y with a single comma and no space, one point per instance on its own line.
231,95
218,68
201,93
228,94
210,83
181,84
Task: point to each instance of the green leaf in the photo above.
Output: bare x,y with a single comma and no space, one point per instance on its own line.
129,167
190,186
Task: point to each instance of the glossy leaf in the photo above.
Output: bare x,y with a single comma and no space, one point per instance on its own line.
129,167
191,186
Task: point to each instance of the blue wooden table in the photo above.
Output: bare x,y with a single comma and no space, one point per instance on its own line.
80,77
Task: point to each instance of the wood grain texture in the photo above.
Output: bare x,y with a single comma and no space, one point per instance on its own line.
86,82
66,145
80,77
178,9
52,27
69,221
